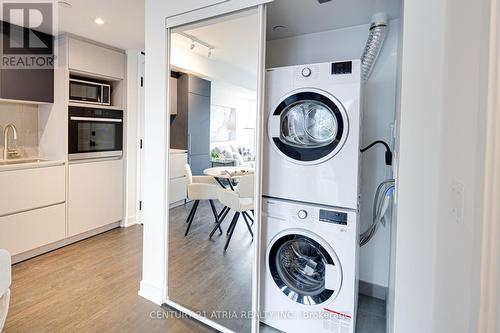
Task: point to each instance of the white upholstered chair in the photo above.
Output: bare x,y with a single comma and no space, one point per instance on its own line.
200,188
5,281
240,201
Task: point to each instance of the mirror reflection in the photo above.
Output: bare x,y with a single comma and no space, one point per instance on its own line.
212,164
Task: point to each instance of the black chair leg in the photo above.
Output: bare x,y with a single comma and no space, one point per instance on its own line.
215,214
191,216
231,226
190,213
221,219
222,212
248,224
235,220
249,217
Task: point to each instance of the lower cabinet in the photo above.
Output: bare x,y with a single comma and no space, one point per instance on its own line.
95,195
177,181
177,190
31,229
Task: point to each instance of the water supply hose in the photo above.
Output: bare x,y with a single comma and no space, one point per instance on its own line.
380,206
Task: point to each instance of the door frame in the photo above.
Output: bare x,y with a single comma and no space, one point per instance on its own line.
140,134
199,15
490,260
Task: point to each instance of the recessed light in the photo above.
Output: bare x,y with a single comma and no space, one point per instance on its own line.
65,4
279,27
99,21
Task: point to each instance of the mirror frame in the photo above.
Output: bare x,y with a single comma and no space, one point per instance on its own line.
198,15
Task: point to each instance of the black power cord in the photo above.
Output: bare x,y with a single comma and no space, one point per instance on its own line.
388,152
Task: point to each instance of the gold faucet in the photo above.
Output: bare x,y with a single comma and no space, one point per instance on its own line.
7,153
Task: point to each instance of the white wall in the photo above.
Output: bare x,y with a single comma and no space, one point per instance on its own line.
379,112
241,99
442,112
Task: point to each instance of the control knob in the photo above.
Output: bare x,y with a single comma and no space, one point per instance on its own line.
302,214
306,72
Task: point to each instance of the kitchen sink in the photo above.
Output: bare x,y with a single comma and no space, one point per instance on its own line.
21,161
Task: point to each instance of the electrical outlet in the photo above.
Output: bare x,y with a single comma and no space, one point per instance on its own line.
457,201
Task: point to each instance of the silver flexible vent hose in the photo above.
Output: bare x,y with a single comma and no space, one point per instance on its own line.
376,38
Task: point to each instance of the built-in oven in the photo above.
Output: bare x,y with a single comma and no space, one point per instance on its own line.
84,91
94,133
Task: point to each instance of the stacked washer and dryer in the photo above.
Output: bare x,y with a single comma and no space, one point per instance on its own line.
311,193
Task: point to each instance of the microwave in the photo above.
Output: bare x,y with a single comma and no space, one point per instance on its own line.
83,91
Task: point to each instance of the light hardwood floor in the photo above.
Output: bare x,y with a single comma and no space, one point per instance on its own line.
90,286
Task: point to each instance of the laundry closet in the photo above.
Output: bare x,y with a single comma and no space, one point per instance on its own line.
326,41
332,82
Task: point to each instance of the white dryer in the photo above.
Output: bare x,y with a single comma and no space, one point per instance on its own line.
311,152
310,281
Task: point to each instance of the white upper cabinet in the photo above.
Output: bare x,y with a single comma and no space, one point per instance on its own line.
96,59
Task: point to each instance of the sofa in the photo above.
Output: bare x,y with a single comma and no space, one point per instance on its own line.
241,155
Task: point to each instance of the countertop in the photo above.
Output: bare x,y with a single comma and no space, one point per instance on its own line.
177,151
37,163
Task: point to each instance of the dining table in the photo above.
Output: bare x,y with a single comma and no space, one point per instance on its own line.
228,174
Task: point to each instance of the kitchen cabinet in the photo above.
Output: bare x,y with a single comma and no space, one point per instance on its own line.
32,85
177,182
95,59
173,96
32,229
95,195
28,189
190,128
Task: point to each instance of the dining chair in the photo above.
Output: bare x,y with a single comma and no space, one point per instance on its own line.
200,188
5,281
241,202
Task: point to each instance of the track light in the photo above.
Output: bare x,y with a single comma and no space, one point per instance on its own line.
197,42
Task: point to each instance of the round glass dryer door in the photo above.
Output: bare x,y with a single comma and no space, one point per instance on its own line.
304,270
308,127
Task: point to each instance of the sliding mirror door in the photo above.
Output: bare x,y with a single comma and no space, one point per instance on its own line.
212,167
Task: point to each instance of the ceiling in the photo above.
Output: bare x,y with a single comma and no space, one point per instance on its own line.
308,16
123,21
235,41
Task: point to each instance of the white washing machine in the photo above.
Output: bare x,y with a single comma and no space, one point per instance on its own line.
311,152
310,280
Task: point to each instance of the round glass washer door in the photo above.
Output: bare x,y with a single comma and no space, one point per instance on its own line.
308,127
303,269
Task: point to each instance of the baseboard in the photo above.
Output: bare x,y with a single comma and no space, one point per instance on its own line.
151,292
64,242
129,221
373,290
177,204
